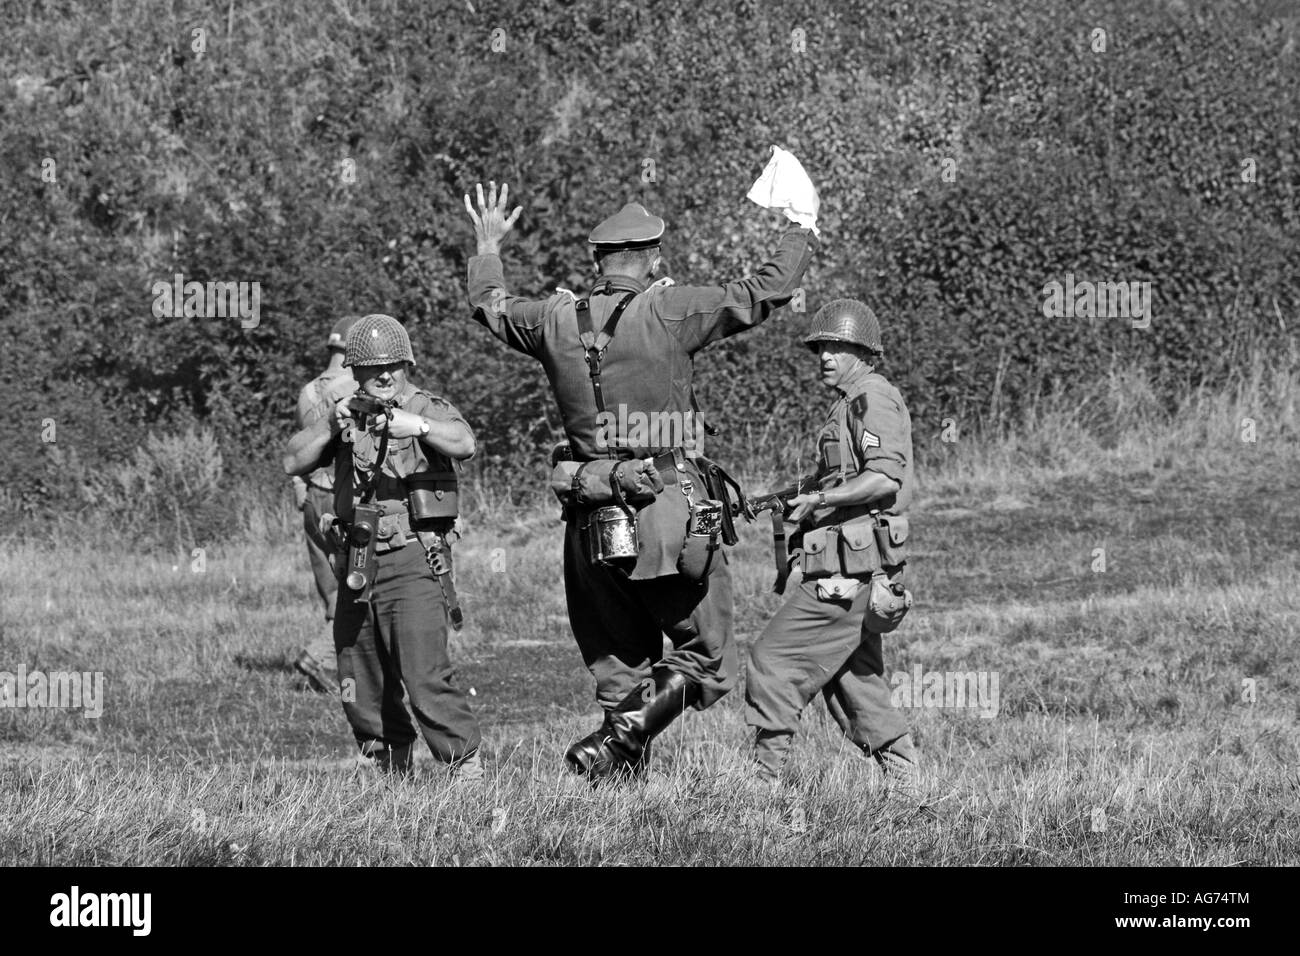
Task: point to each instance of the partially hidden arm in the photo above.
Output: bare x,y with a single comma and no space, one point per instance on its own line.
308,447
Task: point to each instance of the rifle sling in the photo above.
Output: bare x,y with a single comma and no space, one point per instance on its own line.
368,484
778,550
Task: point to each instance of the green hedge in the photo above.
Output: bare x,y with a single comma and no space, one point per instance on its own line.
1116,165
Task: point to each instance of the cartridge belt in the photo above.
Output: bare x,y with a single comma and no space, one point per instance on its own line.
394,532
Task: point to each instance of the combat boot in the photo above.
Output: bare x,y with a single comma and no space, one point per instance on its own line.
389,758
468,770
771,748
898,764
638,718
581,755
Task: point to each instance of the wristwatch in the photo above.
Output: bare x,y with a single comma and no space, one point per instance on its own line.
424,427
821,498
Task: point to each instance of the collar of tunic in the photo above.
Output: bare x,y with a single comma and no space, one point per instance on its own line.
610,285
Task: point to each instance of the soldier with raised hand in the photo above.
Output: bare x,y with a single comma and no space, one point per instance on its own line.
392,446
851,547
627,348
315,497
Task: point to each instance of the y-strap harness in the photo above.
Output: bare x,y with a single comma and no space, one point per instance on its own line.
594,345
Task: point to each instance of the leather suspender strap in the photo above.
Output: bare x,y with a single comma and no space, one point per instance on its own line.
595,344
576,488
709,429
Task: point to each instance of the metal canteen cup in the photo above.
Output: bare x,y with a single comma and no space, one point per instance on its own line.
612,536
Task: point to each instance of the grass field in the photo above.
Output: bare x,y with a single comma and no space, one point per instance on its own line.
1129,580
1124,733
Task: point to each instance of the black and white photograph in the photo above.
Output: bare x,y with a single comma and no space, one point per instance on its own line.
595,433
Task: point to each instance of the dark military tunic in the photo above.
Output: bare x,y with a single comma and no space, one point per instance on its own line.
647,368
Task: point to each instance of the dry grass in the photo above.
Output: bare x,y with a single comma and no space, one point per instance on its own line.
1122,736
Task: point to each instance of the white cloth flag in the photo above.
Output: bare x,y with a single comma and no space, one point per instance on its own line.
785,185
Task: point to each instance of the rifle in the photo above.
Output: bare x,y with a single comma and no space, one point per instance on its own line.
778,502
362,405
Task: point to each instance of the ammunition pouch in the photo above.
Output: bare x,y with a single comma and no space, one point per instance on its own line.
393,532
818,553
847,550
891,539
859,555
433,499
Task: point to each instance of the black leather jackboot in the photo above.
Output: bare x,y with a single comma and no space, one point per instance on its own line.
585,752
622,745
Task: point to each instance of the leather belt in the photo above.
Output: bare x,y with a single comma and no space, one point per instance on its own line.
668,465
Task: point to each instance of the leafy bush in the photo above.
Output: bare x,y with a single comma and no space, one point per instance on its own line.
171,493
966,155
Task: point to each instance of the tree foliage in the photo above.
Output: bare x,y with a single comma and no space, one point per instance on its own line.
966,155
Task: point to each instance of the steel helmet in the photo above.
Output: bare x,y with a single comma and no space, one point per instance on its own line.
377,340
845,320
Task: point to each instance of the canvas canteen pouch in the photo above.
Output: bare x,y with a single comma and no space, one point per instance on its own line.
888,602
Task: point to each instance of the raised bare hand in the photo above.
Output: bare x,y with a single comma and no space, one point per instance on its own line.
490,221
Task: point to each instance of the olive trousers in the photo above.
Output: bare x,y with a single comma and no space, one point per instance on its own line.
812,645
320,502
399,640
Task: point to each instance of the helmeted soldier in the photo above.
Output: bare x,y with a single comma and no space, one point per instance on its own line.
850,544
315,497
392,446
622,352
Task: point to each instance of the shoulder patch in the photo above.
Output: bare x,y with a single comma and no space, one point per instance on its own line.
663,283
859,406
561,290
